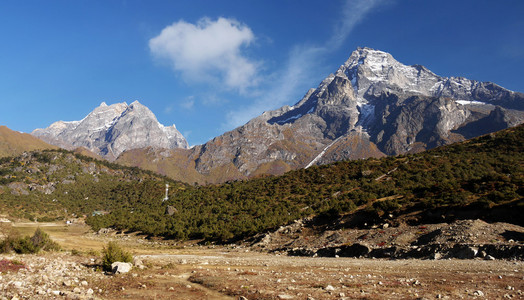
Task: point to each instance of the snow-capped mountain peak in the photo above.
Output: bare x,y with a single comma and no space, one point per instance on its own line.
112,129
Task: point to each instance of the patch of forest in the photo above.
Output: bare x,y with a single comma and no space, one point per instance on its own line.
54,185
482,174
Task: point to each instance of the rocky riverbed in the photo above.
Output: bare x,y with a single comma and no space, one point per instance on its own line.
262,268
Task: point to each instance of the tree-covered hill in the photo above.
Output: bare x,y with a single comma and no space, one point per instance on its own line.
58,184
482,175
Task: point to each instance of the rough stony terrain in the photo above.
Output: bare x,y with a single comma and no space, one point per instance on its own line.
49,276
233,274
169,270
460,239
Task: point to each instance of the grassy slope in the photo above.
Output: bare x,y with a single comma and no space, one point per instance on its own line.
14,143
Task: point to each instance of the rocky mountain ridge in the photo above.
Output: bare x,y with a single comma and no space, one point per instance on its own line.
371,106
110,130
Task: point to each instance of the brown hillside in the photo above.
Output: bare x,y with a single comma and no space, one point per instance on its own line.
173,163
14,143
86,152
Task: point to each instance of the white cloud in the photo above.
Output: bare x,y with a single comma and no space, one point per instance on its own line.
208,51
188,103
301,61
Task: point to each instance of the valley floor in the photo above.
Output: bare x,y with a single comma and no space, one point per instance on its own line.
195,272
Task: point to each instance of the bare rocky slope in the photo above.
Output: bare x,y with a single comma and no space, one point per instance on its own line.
463,239
371,107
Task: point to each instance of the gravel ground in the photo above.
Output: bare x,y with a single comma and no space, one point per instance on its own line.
231,274
47,276
174,271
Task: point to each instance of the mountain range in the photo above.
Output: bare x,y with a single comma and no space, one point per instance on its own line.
372,106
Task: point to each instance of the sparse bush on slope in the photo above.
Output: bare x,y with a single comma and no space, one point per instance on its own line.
113,253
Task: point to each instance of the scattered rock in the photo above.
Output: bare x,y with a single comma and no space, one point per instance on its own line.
478,293
329,288
171,210
121,267
137,262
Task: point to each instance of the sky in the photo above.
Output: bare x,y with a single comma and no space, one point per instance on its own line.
209,66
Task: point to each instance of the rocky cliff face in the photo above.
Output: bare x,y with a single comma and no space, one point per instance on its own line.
372,106
111,130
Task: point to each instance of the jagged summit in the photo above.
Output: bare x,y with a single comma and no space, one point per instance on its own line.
368,68
111,130
372,106
372,73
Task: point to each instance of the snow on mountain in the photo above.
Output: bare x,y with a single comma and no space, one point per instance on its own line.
112,129
371,106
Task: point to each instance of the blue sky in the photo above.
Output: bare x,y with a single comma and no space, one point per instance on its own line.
209,66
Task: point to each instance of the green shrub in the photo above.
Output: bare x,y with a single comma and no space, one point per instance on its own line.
114,253
76,252
26,245
41,240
